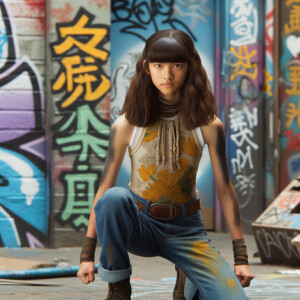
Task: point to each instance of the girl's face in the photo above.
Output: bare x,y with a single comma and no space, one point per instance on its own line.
168,78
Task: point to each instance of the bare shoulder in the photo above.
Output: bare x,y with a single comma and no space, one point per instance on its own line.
212,131
122,130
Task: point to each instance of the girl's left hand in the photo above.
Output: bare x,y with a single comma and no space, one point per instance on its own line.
244,274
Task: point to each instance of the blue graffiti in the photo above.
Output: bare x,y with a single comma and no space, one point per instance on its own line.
23,192
296,165
3,41
293,166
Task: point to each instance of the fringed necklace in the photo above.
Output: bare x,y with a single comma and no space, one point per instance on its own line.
168,109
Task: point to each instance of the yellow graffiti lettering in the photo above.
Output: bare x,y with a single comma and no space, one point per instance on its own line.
290,2
79,48
78,74
294,20
292,112
244,66
79,29
267,86
294,74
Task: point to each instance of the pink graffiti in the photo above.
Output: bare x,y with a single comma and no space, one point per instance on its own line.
33,241
288,201
63,14
99,3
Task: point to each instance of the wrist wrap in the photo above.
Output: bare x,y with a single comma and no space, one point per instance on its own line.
88,249
240,252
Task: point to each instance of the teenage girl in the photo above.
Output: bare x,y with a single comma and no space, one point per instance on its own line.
167,118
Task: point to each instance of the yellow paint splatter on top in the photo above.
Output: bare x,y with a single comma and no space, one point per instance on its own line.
151,133
175,187
231,283
145,172
189,147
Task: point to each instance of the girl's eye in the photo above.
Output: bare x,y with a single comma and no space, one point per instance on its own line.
176,66
157,65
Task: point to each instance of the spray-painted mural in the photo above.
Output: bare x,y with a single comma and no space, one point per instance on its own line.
132,23
82,101
24,201
81,128
242,81
289,91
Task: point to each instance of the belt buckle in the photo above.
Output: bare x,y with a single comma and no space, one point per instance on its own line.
171,207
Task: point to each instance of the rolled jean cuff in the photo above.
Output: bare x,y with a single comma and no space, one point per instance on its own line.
113,276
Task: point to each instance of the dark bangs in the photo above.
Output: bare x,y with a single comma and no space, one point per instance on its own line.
165,50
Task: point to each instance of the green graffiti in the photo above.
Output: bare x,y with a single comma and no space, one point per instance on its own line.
82,140
79,197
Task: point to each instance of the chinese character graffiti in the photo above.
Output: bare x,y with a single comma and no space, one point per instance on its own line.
290,91
242,124
245,25
244,65
294,20
81,134
80,196
81,75
294,72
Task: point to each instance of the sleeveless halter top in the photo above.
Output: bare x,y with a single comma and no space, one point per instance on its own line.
156,174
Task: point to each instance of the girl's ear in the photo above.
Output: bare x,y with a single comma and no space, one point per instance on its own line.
146,67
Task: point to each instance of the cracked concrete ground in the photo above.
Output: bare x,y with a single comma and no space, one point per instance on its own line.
152,278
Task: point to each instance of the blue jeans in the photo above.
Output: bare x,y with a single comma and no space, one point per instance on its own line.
122,227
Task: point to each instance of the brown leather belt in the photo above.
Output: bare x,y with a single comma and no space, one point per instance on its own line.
168,212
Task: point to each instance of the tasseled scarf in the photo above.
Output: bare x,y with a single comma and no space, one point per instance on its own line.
168,108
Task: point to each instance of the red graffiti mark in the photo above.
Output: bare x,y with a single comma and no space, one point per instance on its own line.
269,15
293,140
269,32
269,39
99,3
63,14
33,241
104,106
288,201
37,7
61,164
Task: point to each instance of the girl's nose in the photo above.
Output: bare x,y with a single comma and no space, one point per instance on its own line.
168,73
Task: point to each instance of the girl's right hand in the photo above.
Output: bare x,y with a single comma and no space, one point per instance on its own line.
86,272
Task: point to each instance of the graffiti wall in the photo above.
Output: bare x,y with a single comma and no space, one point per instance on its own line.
52,151
80,50
242,102
270,117
24,201
289,91
132,22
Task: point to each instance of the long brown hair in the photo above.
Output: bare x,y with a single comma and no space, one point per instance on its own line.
198,104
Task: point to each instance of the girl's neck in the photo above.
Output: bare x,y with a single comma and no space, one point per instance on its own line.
169,108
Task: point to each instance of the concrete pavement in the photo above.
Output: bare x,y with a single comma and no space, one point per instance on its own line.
152,278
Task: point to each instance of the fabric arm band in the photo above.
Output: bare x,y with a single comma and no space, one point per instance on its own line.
88,249
240,252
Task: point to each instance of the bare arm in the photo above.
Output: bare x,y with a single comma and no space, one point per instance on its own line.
119,140
120,135
214,136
